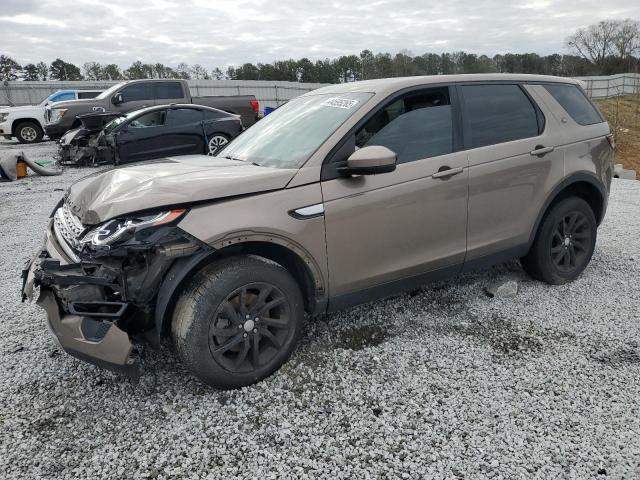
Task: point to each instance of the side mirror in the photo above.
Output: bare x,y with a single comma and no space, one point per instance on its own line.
370,161
117,99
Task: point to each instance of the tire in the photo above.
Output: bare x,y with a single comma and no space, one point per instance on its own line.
215,337
564,243
29,132
216,142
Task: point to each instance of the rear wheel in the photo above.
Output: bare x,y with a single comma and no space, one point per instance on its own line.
216,143
238,321
564,243
29,132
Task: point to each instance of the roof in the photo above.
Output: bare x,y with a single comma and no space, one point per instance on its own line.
167,106
383,85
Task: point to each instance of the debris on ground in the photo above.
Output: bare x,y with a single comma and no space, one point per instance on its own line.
11,163
502,289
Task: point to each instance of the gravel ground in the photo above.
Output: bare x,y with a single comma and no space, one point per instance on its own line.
444,382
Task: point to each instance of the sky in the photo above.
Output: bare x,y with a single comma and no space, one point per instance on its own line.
219,33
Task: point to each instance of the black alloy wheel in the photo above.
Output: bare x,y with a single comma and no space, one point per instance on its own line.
571,241
249,328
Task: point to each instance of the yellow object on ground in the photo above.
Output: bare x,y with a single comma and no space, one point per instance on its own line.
21,169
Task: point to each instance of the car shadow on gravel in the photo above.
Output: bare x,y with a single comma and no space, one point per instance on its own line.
503,336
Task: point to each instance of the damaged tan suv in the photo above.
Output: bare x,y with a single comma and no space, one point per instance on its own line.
346,194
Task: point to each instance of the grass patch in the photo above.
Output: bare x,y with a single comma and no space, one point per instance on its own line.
623,114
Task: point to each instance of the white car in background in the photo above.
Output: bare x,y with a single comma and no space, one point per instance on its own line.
26,123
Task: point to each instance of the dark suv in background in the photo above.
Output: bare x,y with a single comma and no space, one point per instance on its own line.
346,194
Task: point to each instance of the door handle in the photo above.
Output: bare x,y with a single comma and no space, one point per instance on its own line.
446,172
540,150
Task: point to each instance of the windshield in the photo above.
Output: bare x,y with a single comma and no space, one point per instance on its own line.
113,124
287,137
109,91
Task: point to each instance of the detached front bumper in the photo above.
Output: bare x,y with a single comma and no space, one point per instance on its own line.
85,329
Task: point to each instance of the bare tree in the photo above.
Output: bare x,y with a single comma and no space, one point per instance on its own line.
627,39
92,71
595,42
198,72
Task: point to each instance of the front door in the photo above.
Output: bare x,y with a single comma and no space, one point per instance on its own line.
134,97
385,232
143,138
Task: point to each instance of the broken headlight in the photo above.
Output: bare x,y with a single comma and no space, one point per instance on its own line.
122,229
57,114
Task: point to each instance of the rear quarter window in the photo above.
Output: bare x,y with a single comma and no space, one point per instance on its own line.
575,103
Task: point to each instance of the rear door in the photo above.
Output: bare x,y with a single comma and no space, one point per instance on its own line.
385,231
513,163
184,133
169,92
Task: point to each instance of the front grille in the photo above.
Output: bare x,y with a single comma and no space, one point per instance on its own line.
68,226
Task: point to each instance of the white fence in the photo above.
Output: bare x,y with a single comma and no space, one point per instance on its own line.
612,85
269,94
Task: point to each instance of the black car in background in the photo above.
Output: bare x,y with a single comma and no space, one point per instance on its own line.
148,133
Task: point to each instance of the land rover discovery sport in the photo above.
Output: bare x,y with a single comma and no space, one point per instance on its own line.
346,194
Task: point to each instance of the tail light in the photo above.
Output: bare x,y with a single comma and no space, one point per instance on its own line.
612,141
255,105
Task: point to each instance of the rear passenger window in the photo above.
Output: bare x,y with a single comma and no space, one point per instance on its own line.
576,104
167,90
418,125
82,94
498,113
183,116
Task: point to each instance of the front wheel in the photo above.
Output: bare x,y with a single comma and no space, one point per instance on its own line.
238,321
29,132
564,243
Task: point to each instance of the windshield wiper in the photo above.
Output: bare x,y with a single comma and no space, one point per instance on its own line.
229,157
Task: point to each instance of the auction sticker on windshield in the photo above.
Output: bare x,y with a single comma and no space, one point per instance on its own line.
338,102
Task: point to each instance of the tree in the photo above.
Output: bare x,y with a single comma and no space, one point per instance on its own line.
218,74
136,71
111,72
43,71
305,71
30,73
9,68
595,42
61,70
198,72
92,71
183,71
367,63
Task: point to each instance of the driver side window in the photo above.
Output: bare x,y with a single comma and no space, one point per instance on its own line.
418,125
151,119
137,92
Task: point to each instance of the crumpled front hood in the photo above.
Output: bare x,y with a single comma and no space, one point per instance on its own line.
168,182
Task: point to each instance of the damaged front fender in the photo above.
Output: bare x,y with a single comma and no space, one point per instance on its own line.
98,306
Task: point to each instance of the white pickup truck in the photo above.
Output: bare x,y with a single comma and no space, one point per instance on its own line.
26,123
